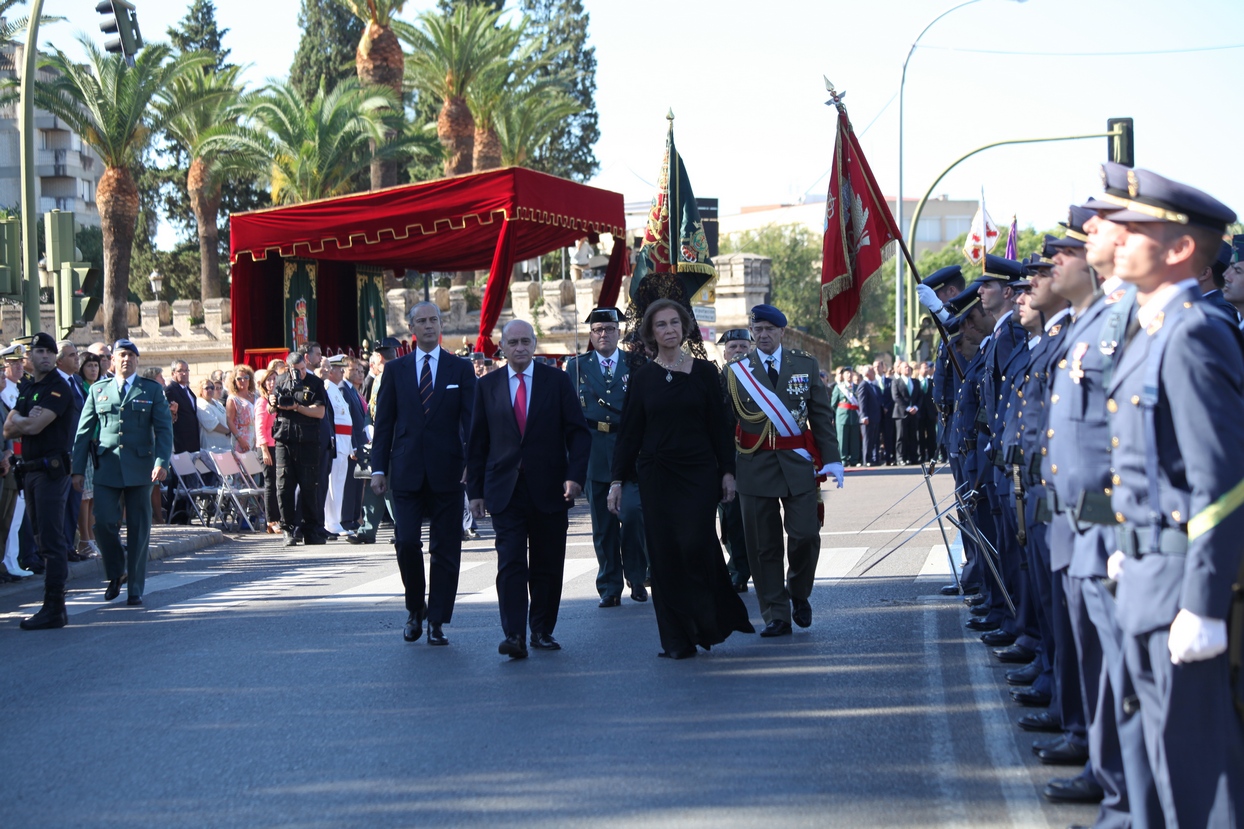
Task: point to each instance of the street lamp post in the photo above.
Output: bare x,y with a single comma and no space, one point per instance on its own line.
157,284
900,336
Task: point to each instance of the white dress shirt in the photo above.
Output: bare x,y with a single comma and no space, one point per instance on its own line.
527,373
422,356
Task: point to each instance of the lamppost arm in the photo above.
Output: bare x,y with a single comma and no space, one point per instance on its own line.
25,128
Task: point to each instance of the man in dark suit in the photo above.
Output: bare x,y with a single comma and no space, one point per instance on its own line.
870,417
422,419
527,462
885,385
927,417
67,368
182,402
907,398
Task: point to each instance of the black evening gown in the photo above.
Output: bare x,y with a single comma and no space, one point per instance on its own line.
675,438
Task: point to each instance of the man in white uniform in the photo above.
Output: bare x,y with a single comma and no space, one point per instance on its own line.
343,428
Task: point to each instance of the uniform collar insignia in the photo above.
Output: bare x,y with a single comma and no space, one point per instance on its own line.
1156,325
1116,296
1055,328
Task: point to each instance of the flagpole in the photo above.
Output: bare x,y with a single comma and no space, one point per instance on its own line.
671,193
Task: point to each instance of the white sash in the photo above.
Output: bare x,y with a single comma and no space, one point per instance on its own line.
769,403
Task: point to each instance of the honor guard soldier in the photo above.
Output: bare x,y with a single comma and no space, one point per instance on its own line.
785,438
41,421
933,293
131,417
735,343
600,380
1177,492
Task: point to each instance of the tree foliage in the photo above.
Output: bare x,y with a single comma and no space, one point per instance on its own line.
330,38
794,253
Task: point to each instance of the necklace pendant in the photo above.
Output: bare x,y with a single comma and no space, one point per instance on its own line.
669,376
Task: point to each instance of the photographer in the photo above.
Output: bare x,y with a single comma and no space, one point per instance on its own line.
298,399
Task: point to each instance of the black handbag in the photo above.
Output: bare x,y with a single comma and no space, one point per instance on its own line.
362,463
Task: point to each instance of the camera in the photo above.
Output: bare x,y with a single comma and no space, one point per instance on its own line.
285,399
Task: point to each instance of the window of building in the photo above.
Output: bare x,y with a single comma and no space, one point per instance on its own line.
86,190
957,225
929,230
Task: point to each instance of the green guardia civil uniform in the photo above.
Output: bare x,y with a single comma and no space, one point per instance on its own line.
621,550
135,436
771,482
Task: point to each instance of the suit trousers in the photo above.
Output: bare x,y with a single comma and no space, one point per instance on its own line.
443,512
1193,735
521,527
873,453
298,473
73,503
907,441
374,507
45,500
1078,655
735,541
763,520
131,559
1042,589
621,550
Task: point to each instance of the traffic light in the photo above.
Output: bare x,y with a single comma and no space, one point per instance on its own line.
11,258
78,288
1121,147
122,21
58,237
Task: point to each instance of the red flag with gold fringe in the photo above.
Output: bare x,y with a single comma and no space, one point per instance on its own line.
860,231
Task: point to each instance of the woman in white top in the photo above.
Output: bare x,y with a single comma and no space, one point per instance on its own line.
241,407
214,434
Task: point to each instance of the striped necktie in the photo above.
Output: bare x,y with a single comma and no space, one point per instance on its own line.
425,383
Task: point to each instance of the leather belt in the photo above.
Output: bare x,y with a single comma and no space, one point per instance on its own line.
602,425
343,430
1137,542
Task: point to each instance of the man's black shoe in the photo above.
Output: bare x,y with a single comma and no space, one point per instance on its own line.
777,627
979,611
1041,721
998,638
1015,654
610,601
513,647
112,590
52,615
1039,746
134,601
290,540
1030,697
414,627
435,637
1065,754
982,625
974,601
315,538
801,612
544,642
469,535
357,538
1025,675
1074,790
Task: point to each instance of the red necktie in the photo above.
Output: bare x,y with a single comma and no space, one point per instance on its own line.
520,404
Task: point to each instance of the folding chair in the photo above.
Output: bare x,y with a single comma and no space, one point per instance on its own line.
248,501
188,485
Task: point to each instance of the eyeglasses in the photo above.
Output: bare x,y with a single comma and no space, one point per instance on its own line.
605,329
209,388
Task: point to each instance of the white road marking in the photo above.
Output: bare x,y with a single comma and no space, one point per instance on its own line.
941,745
834,563
76,602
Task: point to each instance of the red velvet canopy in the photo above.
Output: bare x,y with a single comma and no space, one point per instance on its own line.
483,220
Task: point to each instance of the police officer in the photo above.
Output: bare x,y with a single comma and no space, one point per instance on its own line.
776,392
735,343
41,421
600,380
131,417
1178,476
299,400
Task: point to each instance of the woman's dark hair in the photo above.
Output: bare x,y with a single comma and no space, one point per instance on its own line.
645,327
87,359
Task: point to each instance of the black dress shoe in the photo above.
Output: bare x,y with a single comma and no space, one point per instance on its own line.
469,535
1041,721
290,540
1039,746
134,601
684,653
544,642
1074,790
998,638
1025,675
740,587
414,627
513,647
435,637
801,612
639,594
1030,697
1065,754
610,601
949,590
314,538
982,625
777,627
1015,654
357,538
112,590
974,601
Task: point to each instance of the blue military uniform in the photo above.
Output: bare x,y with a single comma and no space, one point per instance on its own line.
1178,475
621,552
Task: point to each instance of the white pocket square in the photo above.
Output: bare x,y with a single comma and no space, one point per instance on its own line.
447,388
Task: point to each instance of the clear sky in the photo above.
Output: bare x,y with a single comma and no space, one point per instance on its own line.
744,80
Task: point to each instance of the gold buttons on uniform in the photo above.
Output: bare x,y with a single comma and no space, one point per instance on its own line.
1135,399
1049,433
1054,468
1111,406
1114,442
1062,363
1187,304
1043,451
1175,515
1118,516
1107,490
1116,480
1053,398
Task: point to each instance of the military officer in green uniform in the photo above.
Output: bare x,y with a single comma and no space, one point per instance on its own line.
785,434
135,440
600,379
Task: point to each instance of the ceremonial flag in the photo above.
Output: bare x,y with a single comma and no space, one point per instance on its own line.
674,216
860,231
982,237
1012,241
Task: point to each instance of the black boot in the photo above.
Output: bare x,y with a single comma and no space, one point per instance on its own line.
51,615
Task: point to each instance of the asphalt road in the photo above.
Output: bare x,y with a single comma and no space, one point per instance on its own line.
266,687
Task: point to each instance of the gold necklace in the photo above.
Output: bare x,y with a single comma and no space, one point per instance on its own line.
669,370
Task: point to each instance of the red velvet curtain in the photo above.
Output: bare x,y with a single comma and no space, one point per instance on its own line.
619,266
498,286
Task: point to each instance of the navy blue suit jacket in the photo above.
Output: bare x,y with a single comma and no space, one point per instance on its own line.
554,449
410,446
870,401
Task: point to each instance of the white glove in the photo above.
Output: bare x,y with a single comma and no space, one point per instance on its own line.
1195,638
1114,565
928,298
836,470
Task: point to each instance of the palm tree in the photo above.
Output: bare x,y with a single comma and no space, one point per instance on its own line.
449,53
529,120
314,149
221,103
109,104
379,62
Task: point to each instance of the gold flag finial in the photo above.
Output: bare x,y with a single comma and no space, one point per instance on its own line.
669,116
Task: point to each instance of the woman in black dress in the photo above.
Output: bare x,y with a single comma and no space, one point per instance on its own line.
674,436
